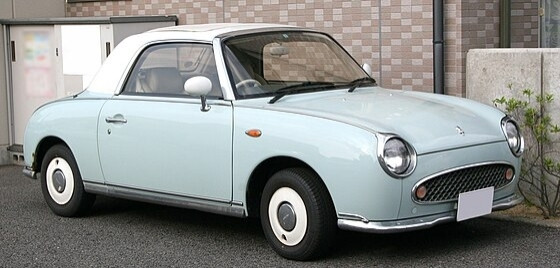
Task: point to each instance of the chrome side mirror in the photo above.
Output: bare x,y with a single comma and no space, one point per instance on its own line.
367,69
199,86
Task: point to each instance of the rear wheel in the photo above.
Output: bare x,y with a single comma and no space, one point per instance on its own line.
297,214
61,183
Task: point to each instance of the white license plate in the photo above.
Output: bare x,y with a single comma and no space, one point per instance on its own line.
475,203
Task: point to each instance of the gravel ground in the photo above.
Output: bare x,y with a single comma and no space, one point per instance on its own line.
119,233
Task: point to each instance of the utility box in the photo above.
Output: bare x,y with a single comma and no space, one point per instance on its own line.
48,59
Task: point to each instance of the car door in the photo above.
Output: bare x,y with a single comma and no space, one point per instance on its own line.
153,137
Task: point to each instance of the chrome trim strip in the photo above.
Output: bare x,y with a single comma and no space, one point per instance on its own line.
28,172
237,203
505,120
350,216
206,205
429,177
387,227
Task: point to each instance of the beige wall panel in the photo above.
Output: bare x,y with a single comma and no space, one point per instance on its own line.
6,9
38,8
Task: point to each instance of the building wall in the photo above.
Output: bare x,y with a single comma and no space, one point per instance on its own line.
18,9
24,9
5,13
524,23
406,44
397,45
468,24
394,36
4,134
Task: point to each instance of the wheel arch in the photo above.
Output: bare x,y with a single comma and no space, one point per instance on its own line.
43,146
262,173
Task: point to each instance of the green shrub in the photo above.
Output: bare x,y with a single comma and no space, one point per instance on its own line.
540,168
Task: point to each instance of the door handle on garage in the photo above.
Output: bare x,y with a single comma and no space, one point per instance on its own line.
115,120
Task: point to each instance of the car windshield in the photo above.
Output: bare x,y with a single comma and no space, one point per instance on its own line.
280,63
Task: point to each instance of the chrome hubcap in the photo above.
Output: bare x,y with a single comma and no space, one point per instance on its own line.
59,181
287,216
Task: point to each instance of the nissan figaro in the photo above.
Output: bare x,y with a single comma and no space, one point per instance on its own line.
275,122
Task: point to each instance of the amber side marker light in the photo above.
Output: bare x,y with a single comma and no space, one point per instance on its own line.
255,133
421,192
509,174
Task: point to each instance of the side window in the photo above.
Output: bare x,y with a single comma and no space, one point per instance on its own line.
163,69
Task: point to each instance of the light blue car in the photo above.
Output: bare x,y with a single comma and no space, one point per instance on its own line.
276,122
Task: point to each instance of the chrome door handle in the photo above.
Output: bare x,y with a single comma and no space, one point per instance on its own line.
115,120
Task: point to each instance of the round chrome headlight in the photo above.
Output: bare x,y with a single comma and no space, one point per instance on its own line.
513,136
396,156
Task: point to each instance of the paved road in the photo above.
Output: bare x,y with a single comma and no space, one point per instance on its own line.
120,233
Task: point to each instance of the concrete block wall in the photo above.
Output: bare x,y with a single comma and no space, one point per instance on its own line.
490,71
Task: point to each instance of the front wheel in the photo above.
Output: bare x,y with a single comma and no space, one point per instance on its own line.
61,183
297,214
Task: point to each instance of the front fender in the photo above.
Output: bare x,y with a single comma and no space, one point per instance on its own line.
73,121
344,156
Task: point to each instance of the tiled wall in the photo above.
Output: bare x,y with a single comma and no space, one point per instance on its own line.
400,58
406,44
468,24
398,44
524,23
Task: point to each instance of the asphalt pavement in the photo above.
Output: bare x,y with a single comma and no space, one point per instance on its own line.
120,233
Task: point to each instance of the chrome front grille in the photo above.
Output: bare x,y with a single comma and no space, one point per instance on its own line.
447,187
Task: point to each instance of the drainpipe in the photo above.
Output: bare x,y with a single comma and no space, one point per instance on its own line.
438,47
505,23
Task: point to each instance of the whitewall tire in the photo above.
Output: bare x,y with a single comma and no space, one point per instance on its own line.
61,183
297,214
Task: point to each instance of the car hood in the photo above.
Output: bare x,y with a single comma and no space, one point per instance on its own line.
429,122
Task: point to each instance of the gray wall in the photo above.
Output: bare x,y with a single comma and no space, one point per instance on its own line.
489,71
5,13
3,94
24,9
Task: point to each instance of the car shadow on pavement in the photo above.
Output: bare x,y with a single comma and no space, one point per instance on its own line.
161,215
450,238
443,239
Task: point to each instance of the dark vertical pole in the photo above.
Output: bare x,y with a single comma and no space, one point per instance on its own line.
505,23
439,77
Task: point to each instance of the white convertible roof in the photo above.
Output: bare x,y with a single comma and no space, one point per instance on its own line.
216,29
112,72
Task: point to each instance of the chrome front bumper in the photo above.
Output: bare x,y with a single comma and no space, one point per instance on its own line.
360,224
28,172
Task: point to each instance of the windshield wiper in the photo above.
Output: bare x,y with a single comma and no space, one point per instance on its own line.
278,94
361,82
